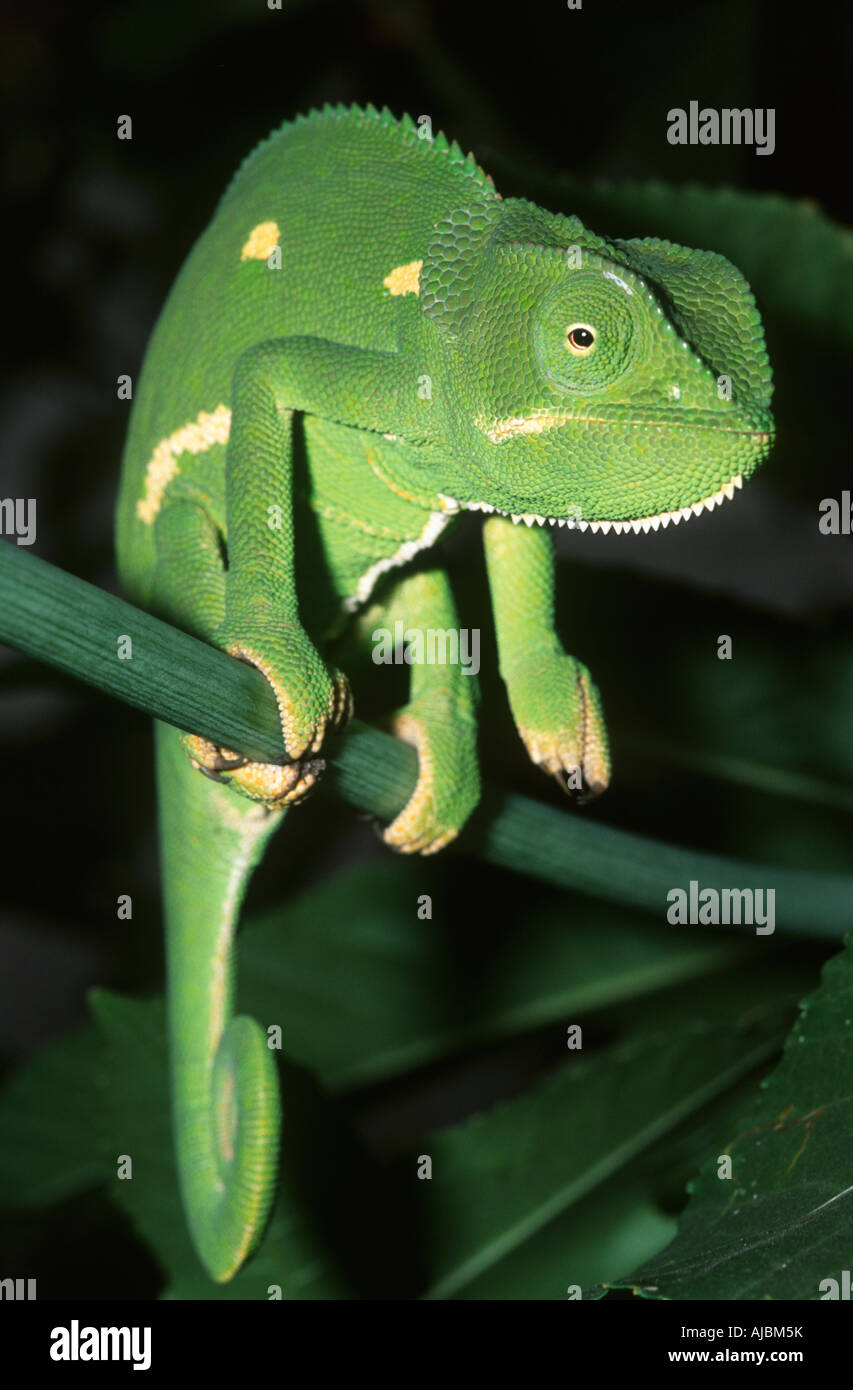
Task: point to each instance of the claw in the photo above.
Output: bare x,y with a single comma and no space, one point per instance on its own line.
591,792
214,776
566,779
581,795
309,772
220,763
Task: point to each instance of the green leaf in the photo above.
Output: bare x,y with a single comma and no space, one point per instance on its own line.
610,1230
54,1140
363,988
784,1222
502,1176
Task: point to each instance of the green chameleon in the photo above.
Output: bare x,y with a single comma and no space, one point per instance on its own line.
366,342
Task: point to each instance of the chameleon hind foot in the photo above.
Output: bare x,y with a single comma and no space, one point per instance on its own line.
448,785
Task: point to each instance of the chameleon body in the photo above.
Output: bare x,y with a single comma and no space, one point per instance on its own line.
366,342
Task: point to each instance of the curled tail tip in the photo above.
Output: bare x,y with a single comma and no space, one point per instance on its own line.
228,1196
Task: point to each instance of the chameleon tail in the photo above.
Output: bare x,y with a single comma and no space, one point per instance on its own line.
225,1094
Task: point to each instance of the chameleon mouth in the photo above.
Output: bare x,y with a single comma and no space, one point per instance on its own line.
659,521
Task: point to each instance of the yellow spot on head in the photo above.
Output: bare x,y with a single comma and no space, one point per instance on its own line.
263,240
405,279
498,431
195,438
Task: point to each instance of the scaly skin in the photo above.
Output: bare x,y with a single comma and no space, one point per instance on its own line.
366,342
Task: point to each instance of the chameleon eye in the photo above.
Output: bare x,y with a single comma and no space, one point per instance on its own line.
586,333
580,338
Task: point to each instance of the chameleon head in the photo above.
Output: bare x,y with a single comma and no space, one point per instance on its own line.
600,382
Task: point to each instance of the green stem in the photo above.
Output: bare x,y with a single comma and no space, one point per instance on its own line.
78,628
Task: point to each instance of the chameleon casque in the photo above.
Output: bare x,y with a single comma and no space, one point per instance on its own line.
366,342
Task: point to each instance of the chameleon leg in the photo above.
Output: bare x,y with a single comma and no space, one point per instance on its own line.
261,623
439,718
225,1095
555,705
272,381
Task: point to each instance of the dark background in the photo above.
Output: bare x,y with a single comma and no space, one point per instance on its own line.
95,230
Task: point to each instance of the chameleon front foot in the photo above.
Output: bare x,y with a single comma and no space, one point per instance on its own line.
313,701
275,784
557,709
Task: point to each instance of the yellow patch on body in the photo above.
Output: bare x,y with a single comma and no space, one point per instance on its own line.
201,434
262,241
404,279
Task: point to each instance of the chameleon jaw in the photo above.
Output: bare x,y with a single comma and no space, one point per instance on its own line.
644,523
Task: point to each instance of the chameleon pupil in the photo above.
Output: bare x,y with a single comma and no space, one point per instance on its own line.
581,339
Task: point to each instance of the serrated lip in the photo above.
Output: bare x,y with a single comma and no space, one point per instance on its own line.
660,520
